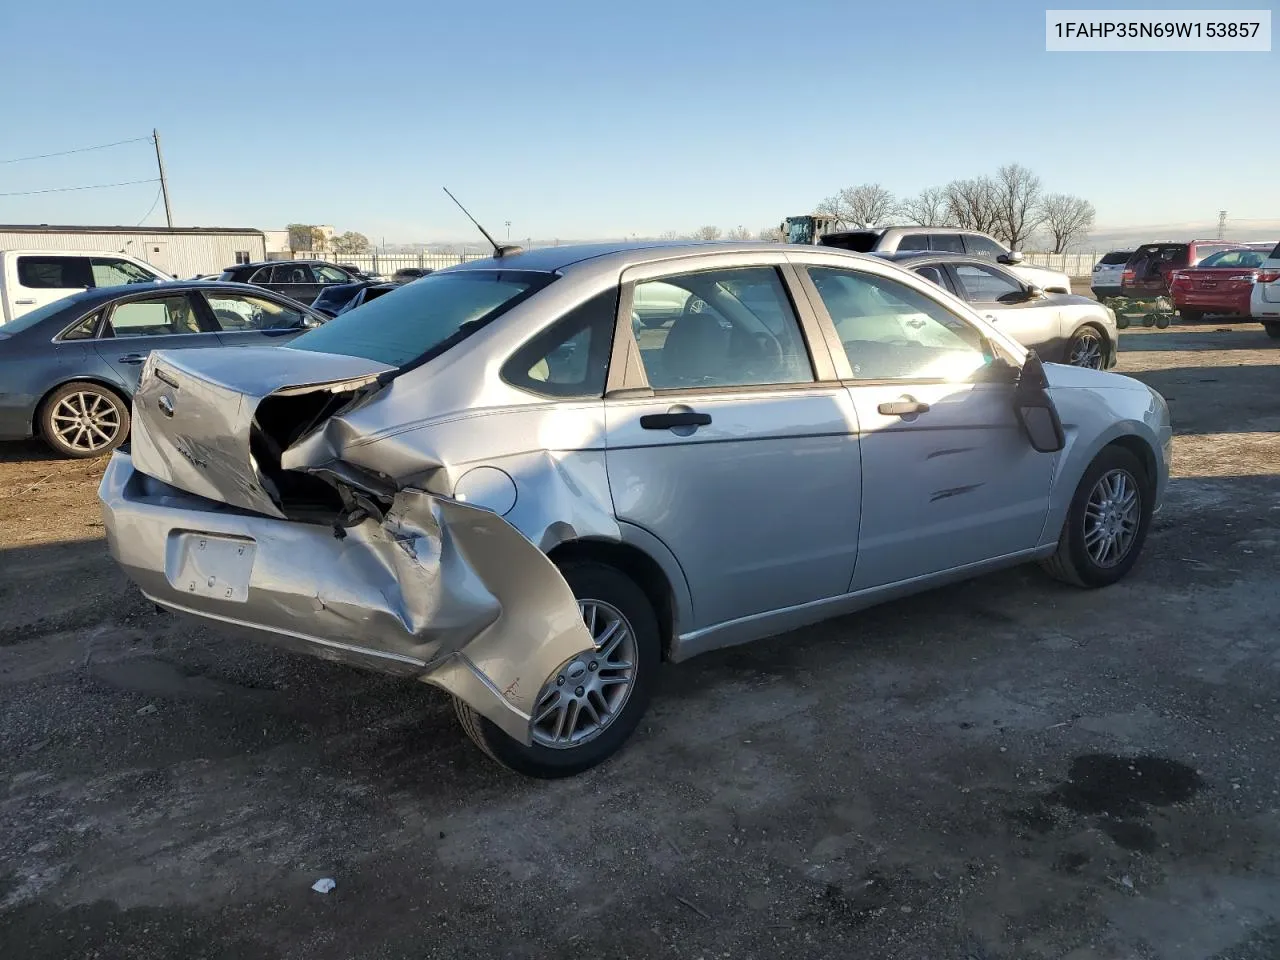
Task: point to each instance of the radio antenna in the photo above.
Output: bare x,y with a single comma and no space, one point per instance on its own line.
499,250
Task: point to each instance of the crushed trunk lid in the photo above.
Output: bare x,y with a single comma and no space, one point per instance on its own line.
199,423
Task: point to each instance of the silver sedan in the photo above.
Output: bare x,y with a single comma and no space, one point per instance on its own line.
1058,326
530,480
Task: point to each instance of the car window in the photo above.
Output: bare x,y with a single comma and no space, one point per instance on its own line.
981,246
154,317
115,273
732,328
54,273
1275,254
261,275
327,274
571,358
292,273
84,330
1116,258
951,242
423,318
985,284
237,312
1203,250
891,332
914,241
933,275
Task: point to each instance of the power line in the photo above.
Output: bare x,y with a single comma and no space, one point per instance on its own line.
153,206
63,153
90,186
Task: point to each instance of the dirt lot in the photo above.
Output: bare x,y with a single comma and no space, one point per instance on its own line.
1004,769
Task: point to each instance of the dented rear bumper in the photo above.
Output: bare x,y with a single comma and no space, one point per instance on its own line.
447,593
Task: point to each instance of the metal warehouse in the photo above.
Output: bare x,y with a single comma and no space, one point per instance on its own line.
181,251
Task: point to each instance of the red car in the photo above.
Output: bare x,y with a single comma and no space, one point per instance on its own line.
1222,283
1149,268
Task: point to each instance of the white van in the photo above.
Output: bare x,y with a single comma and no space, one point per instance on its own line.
32,278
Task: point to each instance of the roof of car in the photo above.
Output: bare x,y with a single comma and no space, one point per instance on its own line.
628,253
273,263
928,255
100,295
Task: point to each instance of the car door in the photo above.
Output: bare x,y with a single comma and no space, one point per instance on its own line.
135,326
243,319
296,281
40,279
729,441
1003,299
948,477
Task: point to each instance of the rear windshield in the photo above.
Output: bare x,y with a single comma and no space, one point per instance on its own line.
1167,252
424,317
1203,250
1116,257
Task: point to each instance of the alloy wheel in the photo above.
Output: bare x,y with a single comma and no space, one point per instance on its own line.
589,692
86,421
1111,518
1086,350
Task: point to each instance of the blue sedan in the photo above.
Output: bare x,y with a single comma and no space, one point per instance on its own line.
69,369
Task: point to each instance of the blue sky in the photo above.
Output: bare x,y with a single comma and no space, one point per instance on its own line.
583,119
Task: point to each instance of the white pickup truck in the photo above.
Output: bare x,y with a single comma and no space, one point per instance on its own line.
32,278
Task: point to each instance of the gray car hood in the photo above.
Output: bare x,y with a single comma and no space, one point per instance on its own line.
1063,376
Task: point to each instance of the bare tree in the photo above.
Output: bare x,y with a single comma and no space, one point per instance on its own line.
927,208
738,233
1066,218
707,232
771,234
669,235
866,205
972,204
1018,196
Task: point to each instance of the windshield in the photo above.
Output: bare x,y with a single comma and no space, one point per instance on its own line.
1234,258
425,316
799,230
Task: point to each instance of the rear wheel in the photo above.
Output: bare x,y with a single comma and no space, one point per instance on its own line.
1273,330
588,708
84,420
1106,523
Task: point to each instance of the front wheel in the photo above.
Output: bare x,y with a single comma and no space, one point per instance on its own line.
1273,330
589,707
1106,523
1086,349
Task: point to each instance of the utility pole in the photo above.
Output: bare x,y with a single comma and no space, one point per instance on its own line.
1222,224
508,229
164,183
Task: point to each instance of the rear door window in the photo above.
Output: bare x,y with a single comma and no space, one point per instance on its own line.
54,273
154,317
981,246
109,272
914,241
292,273
571,358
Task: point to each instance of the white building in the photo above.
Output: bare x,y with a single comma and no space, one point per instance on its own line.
181,251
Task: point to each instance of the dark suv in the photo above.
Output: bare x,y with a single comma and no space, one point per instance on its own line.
303,280
1147,272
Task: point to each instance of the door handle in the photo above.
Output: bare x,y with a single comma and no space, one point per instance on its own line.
991,317
665,421
25,303
133,358
903,408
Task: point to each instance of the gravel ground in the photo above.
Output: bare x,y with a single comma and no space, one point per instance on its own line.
1004,769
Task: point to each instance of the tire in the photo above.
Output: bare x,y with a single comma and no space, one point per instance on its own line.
1190,316
1273,330
1087,348
1073,562
1122,322
82,420
607,586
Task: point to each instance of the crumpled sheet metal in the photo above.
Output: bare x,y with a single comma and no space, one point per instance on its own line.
473,561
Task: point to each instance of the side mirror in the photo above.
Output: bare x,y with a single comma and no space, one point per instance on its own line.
1034,292
310,322
1012,258
1035,409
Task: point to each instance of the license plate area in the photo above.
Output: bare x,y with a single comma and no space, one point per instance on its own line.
210,565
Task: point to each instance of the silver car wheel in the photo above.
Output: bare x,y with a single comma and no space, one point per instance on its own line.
1086,350
589,692
86,421
1111,518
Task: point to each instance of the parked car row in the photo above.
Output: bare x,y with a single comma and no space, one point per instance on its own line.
1200,276
528,480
